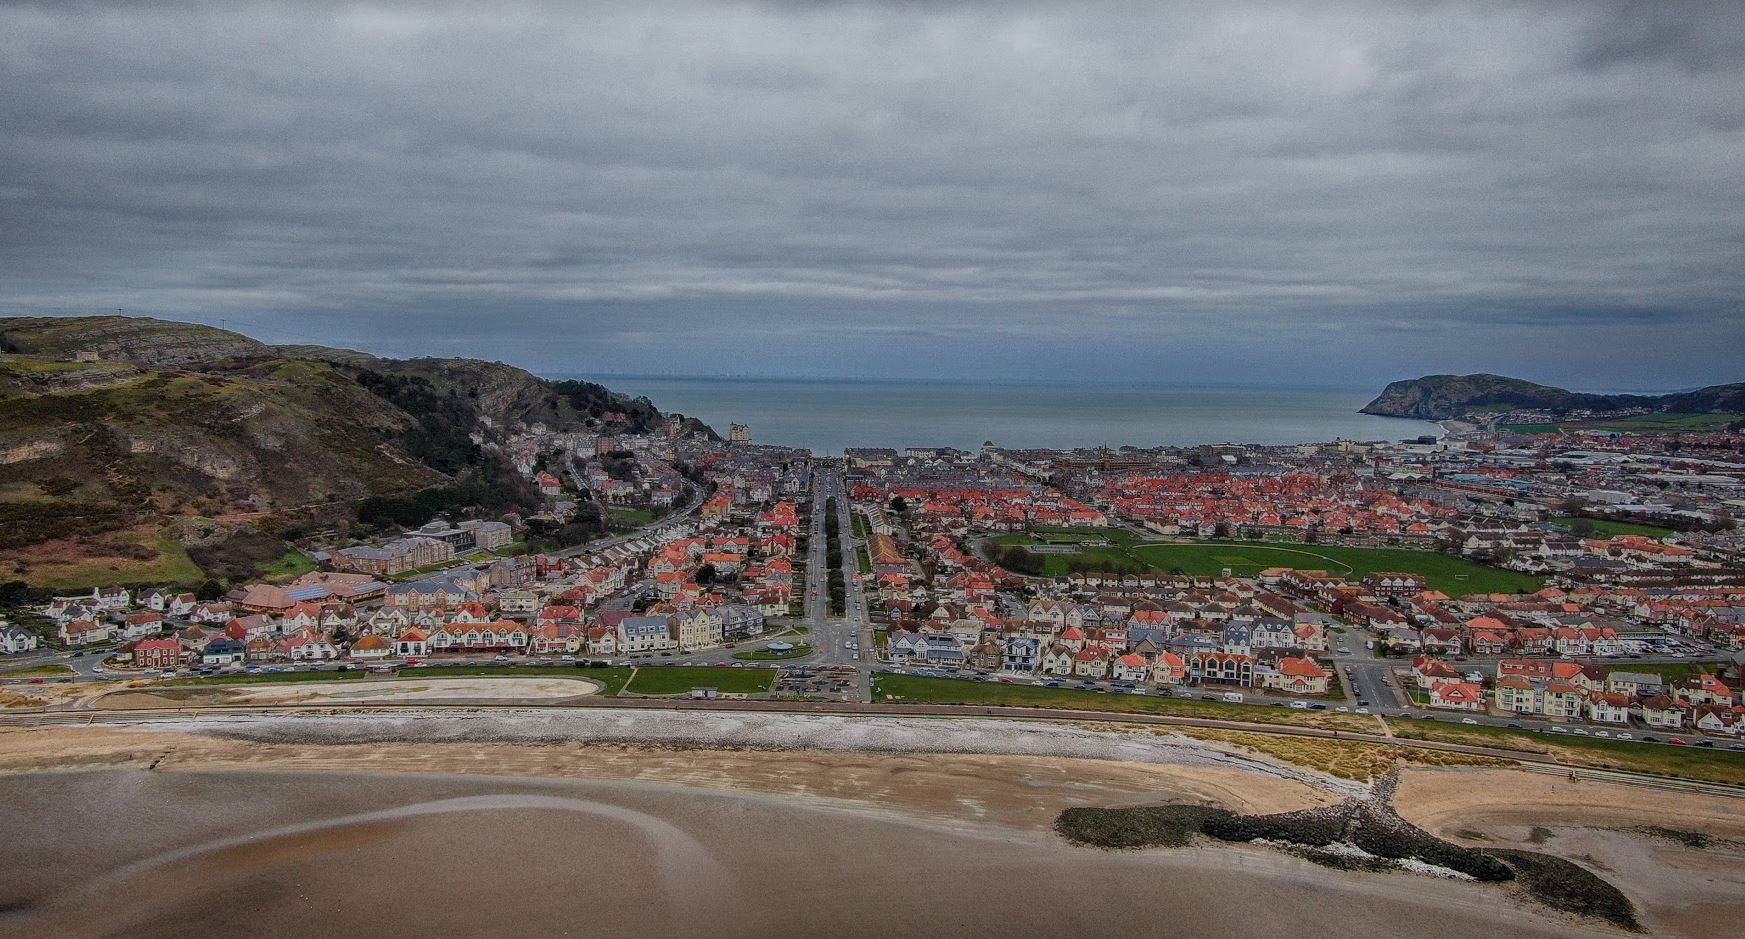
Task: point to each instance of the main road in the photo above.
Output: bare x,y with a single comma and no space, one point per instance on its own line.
836,641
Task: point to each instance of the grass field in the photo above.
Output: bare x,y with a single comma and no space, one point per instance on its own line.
1668,670
866,564
680,680
915,689
1709,765
1611,529
50,670
764,655
632,518
1449,574
1669,423
292,563
168,564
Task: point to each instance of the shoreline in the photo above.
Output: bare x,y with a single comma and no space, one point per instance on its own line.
437,806
1004,802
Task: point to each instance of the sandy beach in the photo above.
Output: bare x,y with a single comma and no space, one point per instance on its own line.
207,828
197,853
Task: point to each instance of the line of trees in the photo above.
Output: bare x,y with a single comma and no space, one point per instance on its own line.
1020,560
833,557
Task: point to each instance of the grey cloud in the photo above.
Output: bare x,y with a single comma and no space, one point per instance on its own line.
1471,176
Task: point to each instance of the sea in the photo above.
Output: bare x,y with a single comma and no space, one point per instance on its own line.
828,415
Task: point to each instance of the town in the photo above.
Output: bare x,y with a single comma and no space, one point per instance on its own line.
1586,584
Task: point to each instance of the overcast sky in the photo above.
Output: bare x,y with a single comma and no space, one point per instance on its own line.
1278,193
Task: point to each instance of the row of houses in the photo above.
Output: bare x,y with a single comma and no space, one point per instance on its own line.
1570,691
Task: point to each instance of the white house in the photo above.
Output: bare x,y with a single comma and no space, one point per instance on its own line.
16,639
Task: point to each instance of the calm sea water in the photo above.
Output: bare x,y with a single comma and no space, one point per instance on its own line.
827,416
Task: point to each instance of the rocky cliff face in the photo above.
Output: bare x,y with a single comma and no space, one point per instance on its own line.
1440,397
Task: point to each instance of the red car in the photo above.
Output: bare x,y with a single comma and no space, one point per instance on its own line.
1675,741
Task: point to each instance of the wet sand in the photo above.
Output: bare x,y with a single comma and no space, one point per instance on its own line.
1678,890
196,854
531,826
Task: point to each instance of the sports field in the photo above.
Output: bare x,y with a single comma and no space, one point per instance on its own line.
1451,575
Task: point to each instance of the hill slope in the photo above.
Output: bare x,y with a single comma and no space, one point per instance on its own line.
112,427
1439,397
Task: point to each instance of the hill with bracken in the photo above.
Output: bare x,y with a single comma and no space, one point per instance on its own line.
120,434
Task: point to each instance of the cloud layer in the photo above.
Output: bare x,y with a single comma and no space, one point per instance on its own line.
1353,192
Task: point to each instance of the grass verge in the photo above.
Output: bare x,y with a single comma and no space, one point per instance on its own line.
38,671
1696,763
1348,759
916,689
681,679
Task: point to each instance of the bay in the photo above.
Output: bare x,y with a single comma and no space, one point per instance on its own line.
828,415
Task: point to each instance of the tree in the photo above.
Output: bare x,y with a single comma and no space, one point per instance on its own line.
14,593
899,505
706,574
1021,560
